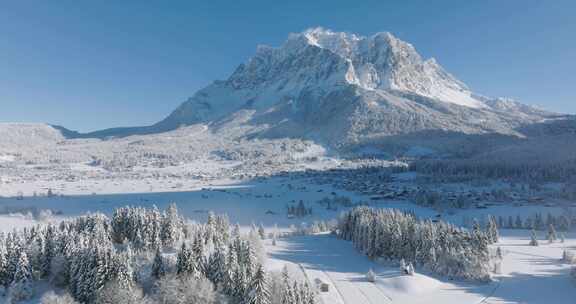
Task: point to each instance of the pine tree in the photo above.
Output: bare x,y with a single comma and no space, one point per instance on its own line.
21,287
492,230
4,280
403,266
171,226
310,296
261,231
217,271
184,261
258,292
499,253
287,292
158,268
240,283
533,238
198,254
518,224
124,274
410,269
370,276
49,250
551,233
296,293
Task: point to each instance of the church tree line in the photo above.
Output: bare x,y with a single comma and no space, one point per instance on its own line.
436,246
96,259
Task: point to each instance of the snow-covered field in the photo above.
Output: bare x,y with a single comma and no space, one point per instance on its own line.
529,274
245,203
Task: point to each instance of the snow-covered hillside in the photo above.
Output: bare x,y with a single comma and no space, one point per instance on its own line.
26,134
341,91
344,91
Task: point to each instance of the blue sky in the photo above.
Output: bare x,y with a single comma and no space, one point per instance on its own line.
89,65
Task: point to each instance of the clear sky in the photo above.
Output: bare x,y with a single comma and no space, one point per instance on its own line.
89,65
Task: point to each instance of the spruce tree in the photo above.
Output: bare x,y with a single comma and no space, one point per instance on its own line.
551,233
533,238
218,262
124,274
198,254
261,231
4,280
158,268
184,261
499,253
171,226
287,292
258,291
493,230
21,287
518,224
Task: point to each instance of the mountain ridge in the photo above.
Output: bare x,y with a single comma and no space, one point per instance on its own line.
343,90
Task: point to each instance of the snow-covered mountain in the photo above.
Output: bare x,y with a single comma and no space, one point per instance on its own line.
25,134
341,89
344,90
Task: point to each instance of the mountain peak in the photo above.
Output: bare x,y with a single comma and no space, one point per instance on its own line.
341,88
325,60
384,62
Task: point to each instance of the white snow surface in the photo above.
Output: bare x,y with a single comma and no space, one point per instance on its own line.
530,274
383,61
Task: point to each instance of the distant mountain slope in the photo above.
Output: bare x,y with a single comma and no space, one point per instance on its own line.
342,89
22,134
347,91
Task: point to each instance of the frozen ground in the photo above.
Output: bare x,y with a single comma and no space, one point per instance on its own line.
245,203
529,275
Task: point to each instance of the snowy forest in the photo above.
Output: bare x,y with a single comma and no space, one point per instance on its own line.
143,255
438,247
466,169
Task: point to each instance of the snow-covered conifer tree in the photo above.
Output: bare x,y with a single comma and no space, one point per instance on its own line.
185,262
403,266
518,224
493,230
410,269
21,286
158,267
172,226
261,231
551,233
370,276
4,276
258,290
533,238
288,296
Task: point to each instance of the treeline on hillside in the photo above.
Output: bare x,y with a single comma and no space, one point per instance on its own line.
466,169
438,247
97,259
537,221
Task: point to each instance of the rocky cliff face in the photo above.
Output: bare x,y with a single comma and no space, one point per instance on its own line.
342,89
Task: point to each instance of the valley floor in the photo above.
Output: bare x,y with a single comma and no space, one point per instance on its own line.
530,274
